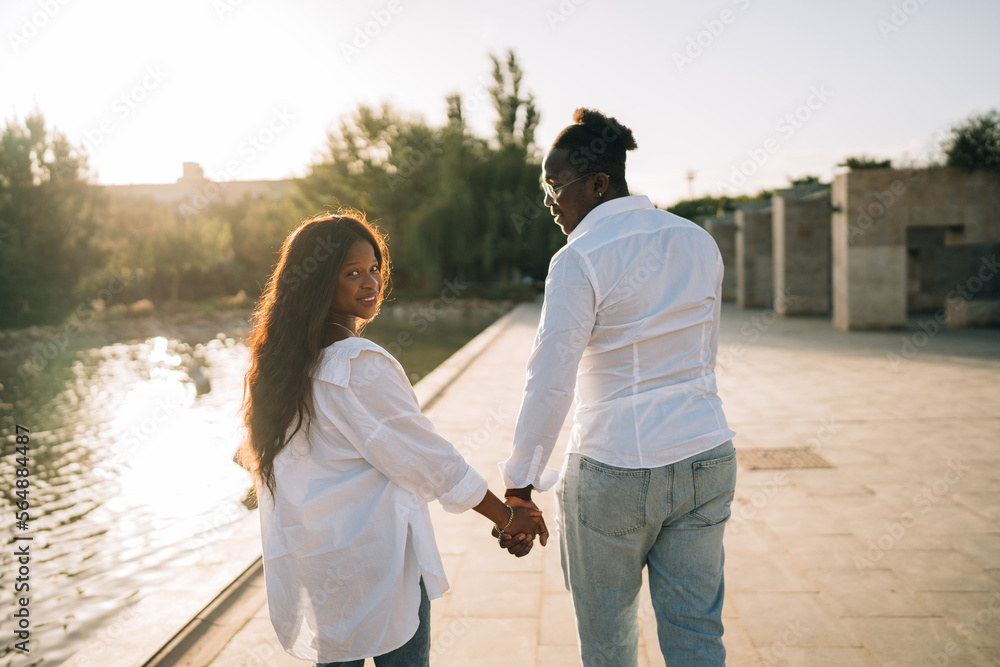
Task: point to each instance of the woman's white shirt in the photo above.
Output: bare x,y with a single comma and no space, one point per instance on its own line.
348,535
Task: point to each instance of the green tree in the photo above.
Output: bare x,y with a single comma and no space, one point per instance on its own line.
48,215
448,200
856,163
805,180
693,209
514,129
975,143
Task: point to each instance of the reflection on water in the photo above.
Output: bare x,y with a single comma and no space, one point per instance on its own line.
132,472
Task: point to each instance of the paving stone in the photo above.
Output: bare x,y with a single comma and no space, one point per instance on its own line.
826,656
489,642
508,595
982,549
905,642
781,620
558,622
870,592
764,572
938,570
559,656
254,646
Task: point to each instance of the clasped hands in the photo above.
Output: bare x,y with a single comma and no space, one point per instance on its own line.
525,525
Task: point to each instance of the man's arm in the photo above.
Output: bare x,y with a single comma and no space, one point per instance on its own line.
568,317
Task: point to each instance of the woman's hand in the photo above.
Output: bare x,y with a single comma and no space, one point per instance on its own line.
518,545
521,521
543,531
525,520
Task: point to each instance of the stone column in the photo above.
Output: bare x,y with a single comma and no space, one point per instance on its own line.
801,237
723,230
754,279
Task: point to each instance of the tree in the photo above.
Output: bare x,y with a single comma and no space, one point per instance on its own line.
692,209
975,143
452,203
864,162
805,180
514,130
48,216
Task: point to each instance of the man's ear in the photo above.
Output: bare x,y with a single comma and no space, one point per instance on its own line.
601,184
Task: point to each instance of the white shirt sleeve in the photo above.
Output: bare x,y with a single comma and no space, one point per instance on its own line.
383,421
567,321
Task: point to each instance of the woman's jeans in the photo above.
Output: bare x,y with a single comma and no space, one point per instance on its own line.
414,653
615,521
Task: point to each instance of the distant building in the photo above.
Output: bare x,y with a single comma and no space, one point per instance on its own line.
193,191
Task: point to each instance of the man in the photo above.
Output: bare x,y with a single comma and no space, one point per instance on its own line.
630,325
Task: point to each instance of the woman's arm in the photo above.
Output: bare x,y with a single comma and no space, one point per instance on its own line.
519,524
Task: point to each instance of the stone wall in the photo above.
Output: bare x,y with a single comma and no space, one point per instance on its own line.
801,244
754,276
723,230
873,278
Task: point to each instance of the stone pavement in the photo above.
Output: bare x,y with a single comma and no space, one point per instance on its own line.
890,557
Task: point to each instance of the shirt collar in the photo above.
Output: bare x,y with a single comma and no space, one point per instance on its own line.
607,209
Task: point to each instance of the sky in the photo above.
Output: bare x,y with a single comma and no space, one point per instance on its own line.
746,94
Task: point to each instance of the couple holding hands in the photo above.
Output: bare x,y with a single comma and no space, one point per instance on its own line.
345,462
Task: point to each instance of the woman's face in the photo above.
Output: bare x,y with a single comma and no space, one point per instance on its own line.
359,283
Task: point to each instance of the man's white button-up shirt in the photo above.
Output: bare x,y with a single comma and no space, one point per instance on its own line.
630,324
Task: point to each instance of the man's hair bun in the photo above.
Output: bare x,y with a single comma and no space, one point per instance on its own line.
595,121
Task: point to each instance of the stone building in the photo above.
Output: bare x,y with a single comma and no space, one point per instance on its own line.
193,191
915,241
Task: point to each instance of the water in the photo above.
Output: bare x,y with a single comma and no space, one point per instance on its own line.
131,470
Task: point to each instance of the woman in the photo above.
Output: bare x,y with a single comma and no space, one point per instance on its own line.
344,461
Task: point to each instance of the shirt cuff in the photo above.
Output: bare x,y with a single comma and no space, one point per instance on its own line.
543,481
465,495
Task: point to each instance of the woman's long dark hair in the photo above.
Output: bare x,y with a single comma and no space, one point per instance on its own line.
287,330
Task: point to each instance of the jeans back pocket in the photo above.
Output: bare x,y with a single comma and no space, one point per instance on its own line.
714,487
610,500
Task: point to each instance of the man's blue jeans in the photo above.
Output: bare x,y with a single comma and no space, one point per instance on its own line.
414,653
615,521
